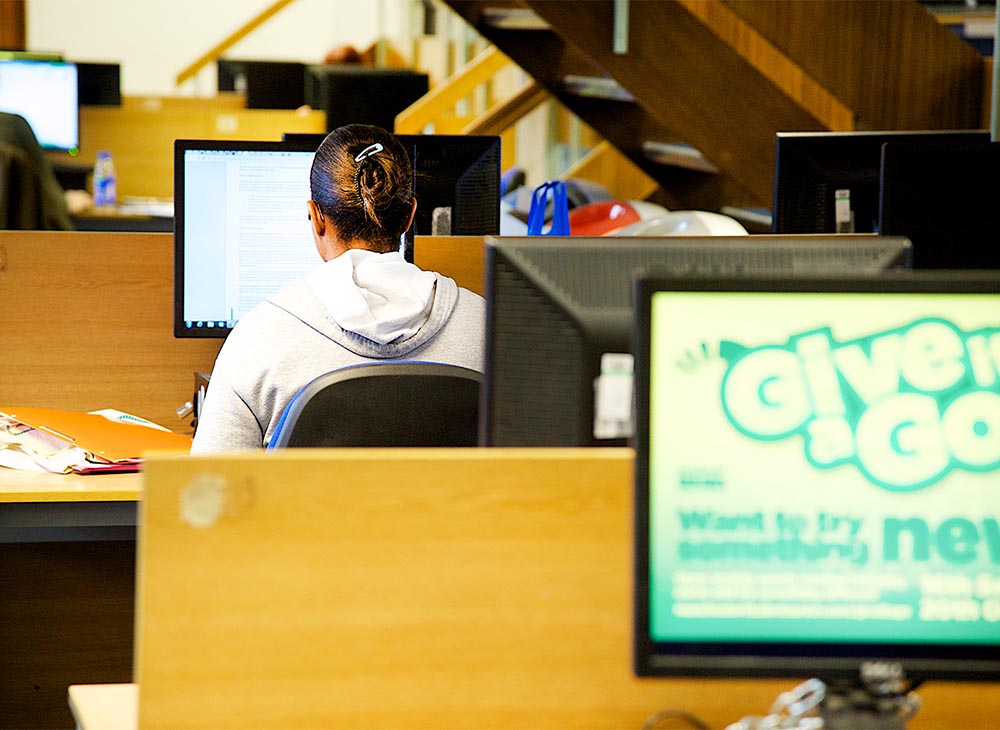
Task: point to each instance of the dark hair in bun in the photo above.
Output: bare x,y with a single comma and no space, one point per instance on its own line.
362,182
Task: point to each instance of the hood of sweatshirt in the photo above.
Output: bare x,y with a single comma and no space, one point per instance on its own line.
375,305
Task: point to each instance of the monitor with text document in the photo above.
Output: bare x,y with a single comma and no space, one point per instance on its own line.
240,225
240,228
817,465
45,93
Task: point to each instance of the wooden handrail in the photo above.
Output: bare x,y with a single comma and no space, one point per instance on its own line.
441,100
238,35
507,111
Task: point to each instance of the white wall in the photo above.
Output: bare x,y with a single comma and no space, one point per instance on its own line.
154,40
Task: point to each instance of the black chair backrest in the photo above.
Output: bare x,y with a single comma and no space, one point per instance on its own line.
384,404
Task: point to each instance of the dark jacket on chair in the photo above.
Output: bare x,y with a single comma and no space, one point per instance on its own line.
30,195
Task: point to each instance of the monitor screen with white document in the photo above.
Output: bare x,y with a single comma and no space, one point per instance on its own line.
240,230
45,93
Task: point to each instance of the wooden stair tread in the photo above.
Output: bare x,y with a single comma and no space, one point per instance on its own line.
678,154
508,18
596,87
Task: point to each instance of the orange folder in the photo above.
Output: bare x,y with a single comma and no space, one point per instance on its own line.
98,435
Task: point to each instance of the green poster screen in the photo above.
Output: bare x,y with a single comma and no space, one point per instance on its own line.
824,467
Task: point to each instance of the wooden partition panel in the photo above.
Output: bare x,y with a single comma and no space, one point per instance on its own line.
422,588
87,320
87,323
463,258
141,133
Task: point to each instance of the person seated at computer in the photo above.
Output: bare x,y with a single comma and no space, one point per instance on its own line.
364,303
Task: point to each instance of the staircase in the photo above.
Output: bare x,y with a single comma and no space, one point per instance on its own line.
694,91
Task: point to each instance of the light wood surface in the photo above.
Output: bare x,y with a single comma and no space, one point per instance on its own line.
104,706
412,589
87,323
463,258
30,486
141,133
87,320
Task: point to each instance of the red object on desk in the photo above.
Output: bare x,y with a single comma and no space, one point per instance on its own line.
603,217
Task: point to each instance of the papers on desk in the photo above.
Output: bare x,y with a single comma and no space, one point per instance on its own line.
155,207
45,439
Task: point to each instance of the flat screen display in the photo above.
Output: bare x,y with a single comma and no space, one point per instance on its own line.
828,182
45,93
817,473
240,228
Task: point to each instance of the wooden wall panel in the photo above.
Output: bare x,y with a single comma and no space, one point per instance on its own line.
416,588
13,25
141,133
890,61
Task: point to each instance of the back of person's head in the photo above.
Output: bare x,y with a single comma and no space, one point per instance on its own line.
362,183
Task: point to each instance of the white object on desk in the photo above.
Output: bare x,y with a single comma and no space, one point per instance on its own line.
105,706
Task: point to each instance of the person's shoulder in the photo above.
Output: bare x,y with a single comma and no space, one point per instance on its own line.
470,297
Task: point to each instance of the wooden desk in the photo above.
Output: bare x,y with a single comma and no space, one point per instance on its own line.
21,487
67,589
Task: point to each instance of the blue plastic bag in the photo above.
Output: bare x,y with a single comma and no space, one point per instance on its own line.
560,209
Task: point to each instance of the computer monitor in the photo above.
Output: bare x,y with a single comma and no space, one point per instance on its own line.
44,93
944,199
265,84
456,178
99,84
238,203
817,462
17,55
240,228
559,320
358,94
828,182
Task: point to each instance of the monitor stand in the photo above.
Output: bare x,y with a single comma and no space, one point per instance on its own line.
868,704
882,699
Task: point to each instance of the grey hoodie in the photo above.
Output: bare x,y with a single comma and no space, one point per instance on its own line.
359,307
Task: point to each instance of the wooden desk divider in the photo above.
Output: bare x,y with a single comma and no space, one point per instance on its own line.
395,588
412,588
141,132
87,319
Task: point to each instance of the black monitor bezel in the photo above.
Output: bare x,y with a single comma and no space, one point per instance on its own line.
837,662
608,328
299,142
944,194
802,158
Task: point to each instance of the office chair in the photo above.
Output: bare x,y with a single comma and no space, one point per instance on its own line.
402,403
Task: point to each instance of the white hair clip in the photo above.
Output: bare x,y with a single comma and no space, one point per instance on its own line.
372,149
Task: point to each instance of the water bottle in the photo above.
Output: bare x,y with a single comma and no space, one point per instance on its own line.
105,183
